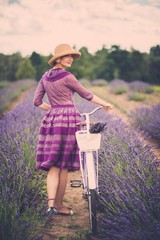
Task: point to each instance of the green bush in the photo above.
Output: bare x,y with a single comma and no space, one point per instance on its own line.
120,90
136,97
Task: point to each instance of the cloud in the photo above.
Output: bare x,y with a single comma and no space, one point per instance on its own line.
155,3
28,26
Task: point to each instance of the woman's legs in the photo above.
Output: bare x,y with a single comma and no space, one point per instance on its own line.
63,178
56,186
52,184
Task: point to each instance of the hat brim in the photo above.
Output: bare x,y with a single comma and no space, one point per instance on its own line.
75,54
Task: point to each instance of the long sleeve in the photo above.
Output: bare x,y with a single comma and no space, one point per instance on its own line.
39,94
75,86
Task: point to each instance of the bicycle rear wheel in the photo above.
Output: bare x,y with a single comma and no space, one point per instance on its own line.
92,210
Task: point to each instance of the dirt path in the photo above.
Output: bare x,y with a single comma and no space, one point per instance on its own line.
70,227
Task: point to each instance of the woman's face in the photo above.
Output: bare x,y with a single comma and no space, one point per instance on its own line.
66,61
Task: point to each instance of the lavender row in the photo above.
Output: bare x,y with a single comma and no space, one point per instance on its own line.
21,187
129,182
119,86
11,91
148,120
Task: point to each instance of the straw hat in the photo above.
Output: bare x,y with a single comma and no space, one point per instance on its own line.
62,50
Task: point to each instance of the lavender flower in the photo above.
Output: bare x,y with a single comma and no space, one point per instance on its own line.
11,92
129,182
139,86
148,120
20,186
118,86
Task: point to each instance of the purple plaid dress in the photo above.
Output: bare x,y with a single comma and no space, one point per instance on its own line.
57,144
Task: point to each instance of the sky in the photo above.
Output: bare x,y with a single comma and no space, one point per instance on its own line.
27,25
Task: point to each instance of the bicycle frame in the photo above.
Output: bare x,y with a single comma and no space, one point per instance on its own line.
89,166
89,143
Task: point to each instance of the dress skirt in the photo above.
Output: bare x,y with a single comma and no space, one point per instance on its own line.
57,144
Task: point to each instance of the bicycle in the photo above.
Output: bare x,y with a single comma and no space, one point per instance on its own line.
89,144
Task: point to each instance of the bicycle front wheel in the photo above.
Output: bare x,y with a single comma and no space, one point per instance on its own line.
92,210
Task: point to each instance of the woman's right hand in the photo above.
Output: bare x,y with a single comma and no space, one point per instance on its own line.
107,107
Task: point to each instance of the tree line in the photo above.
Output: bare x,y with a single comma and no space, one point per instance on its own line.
108,64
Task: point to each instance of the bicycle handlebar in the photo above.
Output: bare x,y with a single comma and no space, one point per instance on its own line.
90,113
86,115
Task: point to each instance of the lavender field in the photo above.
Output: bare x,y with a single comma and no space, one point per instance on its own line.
148,120
21,187
9,91
129,203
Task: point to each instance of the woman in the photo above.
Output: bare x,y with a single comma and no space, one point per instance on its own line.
57,150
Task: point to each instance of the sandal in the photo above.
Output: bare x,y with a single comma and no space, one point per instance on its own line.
58,212
49,213
50,199
50,210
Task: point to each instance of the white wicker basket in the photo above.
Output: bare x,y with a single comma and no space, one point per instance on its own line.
88,141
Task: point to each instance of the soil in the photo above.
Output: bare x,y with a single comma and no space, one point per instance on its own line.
70,227
77,226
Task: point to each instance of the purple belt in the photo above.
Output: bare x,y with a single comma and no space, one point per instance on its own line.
62,106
